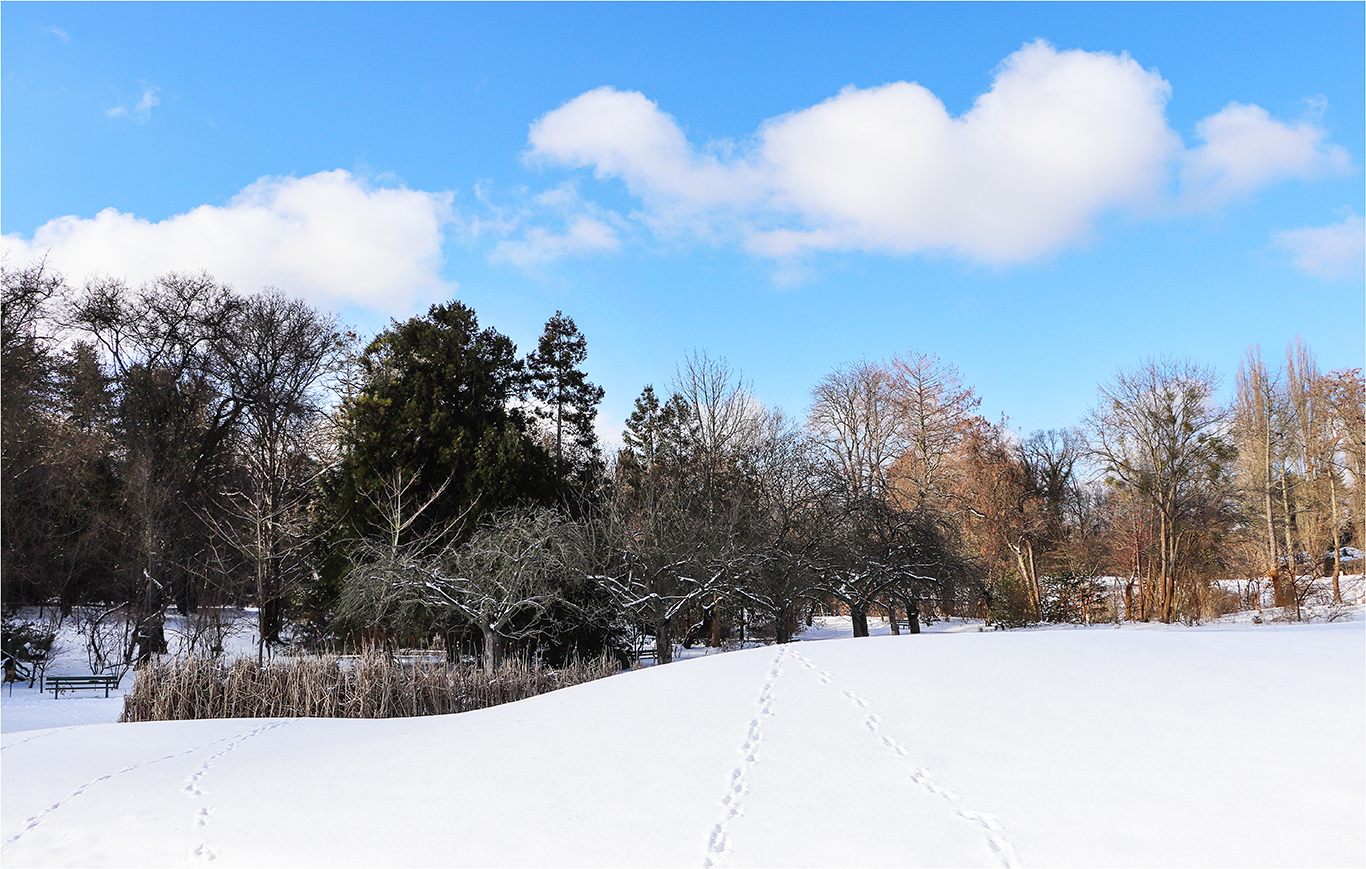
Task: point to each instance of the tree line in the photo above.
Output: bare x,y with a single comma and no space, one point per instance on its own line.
180,444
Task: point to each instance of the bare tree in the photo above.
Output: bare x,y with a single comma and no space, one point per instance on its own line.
725,416
1309,513
1258,424
1005,515
504,580
935,407
175,417
787,489
278,360
1345,394
857,427
1159,433
870,552
856,422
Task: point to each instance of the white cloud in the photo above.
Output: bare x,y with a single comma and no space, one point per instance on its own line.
586,228
1061,139
56,31
1328,252
622,134
584,235
1245,149
140,112
329,238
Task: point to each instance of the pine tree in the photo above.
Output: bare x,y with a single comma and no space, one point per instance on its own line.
659,432
568,399
642,428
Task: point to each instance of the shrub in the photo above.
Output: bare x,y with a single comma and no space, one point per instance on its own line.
1008,603
374,684
27,648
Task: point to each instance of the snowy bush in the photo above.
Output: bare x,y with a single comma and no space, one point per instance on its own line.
28,647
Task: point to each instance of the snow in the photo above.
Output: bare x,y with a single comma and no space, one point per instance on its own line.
1224,744
25,708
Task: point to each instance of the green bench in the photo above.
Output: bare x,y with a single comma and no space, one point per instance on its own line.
58,684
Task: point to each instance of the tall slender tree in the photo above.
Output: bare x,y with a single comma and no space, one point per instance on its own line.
1258,413
568,400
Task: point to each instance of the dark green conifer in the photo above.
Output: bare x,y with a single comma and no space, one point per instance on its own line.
434,415
568,400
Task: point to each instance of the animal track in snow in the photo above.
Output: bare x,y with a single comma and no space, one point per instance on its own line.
995,836
207,853
718,842
990,826
38,735
857,700
204,852
192,783
38,818
922,778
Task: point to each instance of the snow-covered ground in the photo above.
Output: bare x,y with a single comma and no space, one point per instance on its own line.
26,708
1222,745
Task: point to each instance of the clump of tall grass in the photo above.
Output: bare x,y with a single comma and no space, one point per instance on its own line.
374,684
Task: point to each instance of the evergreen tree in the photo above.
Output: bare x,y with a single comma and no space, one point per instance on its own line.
659,432
431,430
642,433
569,400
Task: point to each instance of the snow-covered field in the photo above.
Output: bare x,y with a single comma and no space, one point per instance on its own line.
1223,745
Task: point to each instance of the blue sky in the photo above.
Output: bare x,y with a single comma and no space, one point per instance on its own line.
1064,190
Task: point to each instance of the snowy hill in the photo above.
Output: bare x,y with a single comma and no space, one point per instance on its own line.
1222,745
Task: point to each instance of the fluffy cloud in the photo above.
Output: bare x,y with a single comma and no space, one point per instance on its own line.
622,134
1245,149
1328,252
1061,139
329,237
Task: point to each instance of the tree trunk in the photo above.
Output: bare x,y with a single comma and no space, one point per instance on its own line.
912,614
1337,540
1164,601
783,622
859,616
1027,577
1275,574
493,648
664,644
1290,560
1145,597
891,618
1034,590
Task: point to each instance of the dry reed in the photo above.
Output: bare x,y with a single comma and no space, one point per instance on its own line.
374,684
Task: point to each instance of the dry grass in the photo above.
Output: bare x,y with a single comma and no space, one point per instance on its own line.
372,685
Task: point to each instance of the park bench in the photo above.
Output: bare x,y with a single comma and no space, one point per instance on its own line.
58,684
